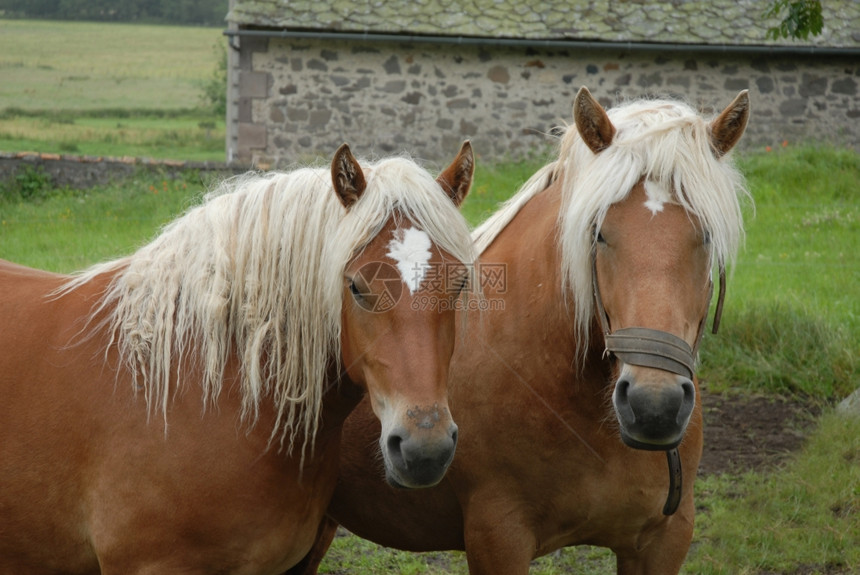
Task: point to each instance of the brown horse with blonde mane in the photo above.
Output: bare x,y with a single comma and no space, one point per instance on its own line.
573,397
180,410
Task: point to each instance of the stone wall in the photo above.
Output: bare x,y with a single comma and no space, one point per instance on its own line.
82,172
300,99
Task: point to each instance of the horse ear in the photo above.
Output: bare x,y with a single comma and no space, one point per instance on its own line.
347,177
729,126
456,179
592,122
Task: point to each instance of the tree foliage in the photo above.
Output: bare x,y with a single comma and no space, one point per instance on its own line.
214,94
198,12
803,18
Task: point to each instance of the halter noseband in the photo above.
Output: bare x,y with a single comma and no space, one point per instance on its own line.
651,348
661,350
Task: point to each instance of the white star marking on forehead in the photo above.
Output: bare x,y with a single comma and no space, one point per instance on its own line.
658,194
410,249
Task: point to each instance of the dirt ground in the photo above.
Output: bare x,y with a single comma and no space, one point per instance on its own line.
751,432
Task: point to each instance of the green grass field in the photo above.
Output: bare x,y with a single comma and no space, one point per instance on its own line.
791,323
108,89
796,280
189,135
90,66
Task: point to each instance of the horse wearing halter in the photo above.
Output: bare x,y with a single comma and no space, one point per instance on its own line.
649,347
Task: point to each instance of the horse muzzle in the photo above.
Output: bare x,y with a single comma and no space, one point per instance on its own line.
653,417
418,454
655,396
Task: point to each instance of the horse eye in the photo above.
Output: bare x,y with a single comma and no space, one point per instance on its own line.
707,238
353,289
600,238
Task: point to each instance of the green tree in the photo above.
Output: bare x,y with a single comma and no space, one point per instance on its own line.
209,12
214,94
803,18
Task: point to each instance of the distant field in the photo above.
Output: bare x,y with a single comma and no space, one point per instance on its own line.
109,90
91,66
185,136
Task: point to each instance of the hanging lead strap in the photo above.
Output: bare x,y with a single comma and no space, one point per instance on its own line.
673,499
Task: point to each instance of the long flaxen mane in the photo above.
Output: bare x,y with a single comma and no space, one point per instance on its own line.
256,272
664,141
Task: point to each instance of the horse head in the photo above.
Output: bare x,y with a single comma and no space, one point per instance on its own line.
651,262
400,292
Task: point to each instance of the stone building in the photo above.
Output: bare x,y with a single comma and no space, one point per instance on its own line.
420,76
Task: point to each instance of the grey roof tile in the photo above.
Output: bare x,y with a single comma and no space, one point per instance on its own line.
732,22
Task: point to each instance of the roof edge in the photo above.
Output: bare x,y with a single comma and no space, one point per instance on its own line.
559,43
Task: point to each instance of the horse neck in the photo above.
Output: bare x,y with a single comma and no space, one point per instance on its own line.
342,395
528,246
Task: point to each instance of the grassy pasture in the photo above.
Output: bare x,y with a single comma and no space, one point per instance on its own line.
796,280
108,89
71,229
92,66
189,136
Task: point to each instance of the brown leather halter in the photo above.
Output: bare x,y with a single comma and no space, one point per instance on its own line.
661,350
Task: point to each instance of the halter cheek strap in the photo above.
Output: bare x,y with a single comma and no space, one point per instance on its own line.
718,313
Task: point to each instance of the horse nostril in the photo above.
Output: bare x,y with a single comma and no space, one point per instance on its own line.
689,390
621,388
394,446
687,403
622,401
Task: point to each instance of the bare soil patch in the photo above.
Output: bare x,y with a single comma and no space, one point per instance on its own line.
752,433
